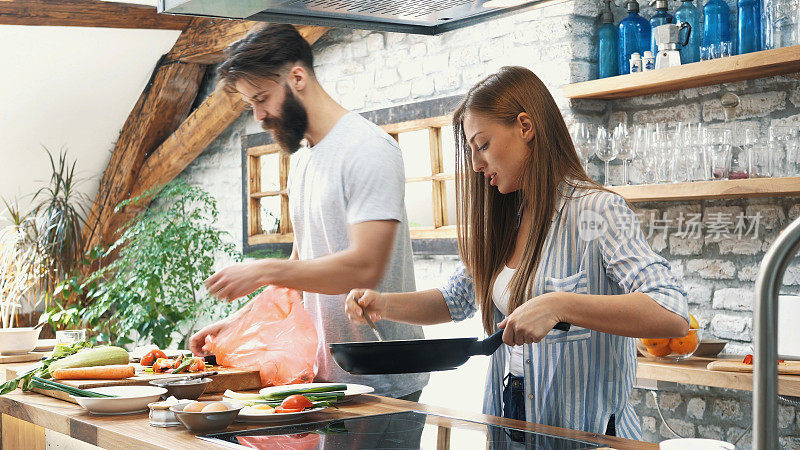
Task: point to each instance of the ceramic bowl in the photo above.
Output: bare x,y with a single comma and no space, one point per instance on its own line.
670,350
200,422
17,341
129,399
189,389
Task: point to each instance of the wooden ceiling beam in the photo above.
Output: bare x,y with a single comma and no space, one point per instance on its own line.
87,13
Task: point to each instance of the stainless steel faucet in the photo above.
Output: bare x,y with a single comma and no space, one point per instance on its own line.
765,373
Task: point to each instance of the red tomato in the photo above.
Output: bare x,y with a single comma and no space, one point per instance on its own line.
152,356
281,409
296,402
162,365
748,359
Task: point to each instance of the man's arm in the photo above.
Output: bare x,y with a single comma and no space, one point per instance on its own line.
361,265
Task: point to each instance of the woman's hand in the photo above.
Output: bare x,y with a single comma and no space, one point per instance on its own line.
365,300
532,320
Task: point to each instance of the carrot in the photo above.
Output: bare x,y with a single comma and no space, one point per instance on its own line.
95,373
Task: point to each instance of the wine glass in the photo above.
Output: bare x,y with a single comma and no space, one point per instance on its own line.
604,150
621,138
582,139
640,155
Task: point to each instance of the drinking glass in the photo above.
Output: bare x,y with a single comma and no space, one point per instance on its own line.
780,143
740,154
604,150
621,138
698,158
758,155
582,139
725,49
706,53
639,152
718,143
792,146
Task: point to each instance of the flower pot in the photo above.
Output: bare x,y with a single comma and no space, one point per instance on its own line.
16,341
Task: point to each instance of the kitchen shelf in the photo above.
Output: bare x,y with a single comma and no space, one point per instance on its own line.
705,190
704,73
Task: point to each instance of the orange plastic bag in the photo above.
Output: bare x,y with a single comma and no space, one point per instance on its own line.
277,337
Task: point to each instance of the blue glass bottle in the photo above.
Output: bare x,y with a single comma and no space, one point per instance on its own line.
634,36
748,29
689,13
661,17
716,22
607,45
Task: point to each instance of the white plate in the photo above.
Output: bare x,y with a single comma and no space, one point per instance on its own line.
351,391
274,417
130,399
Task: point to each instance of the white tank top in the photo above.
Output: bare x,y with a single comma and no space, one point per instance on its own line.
500,297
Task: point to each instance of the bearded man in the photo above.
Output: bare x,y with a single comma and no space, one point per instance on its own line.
346,196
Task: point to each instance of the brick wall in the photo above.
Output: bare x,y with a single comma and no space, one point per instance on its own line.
367,70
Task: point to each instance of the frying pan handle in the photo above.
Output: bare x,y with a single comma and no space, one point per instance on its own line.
492,343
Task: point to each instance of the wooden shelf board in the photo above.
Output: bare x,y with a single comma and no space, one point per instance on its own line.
705,190
704,73
694,371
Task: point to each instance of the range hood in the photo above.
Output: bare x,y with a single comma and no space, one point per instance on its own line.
406,16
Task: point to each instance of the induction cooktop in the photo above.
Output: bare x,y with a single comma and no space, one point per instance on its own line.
401,430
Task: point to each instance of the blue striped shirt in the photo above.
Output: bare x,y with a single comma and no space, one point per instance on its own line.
578,378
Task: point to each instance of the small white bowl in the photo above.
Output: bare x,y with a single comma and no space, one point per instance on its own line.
695,444
130,399
18,341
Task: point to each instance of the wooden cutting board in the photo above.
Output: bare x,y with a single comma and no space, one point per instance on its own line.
227,378
734,365
30,356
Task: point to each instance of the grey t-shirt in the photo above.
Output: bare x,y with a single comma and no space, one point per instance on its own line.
354,174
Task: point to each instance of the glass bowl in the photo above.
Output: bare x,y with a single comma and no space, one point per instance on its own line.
670,350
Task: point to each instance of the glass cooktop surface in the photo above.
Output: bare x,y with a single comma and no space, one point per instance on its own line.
401,430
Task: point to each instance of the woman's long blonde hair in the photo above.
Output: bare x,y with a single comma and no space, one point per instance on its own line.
488,220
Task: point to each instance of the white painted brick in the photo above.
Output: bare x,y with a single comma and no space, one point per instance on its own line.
491,50
697,294
353,101
386,77
685,245
771,215
727,326
649,424
794,211
716,213
789,442
750,105
359,48
745,246
792,275
422,88
712,268
417,50
745,442
748,272
649,400
681,113
396,40
734,299
463,57
434,64
345,86
375,42
710,432
409,70
446,83
635,397
399,91
696,407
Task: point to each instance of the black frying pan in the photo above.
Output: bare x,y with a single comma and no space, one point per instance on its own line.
417,355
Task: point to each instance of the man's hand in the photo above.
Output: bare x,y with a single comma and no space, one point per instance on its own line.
237,280
532,320
360,300
198,340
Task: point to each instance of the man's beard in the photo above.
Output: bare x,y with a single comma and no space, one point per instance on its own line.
290,128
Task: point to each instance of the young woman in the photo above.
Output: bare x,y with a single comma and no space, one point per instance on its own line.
541,244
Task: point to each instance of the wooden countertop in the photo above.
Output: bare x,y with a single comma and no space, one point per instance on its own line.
694,371
134,431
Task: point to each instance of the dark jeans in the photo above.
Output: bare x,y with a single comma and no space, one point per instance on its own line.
514,402
412,397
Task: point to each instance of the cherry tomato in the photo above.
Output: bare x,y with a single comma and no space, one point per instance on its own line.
198,365
152,356
748,359
296,402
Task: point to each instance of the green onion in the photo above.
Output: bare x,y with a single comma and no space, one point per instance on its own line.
303,391
56,386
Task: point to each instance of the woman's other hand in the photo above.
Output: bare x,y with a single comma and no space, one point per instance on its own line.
532,320
365,300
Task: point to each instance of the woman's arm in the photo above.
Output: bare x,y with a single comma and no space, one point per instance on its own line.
418,308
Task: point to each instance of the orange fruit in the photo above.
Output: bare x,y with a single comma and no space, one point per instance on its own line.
684,345
657,347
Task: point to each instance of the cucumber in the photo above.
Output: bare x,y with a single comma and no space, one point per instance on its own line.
97,356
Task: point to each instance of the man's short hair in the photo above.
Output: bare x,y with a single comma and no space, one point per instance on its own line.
264,53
